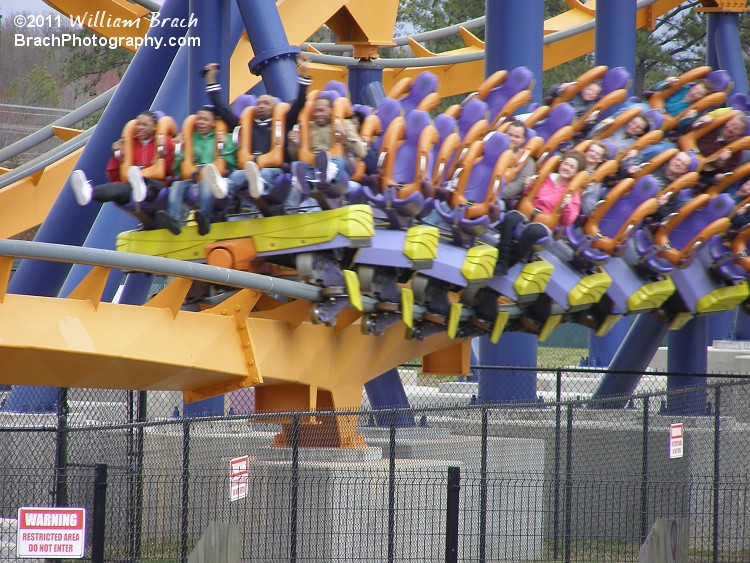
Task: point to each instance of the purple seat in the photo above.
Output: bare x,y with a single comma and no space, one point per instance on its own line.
518,80
620,213
388,110
558,117
363,110
716,208
617,217
242,102
720,80
329,95
740,101
616,78
447,127
424,84
692,226
474,110
404,166
495,144
654,118
475,190
401,199
336,86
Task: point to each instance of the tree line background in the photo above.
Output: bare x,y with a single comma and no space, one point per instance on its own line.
64,79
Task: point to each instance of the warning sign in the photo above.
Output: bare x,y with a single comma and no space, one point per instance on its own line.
238,477
675,441
52,533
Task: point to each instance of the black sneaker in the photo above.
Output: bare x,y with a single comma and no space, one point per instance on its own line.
204,225
166,221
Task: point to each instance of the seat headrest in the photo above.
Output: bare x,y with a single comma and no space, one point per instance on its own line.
720,80
425,83
445,125
475,110
388,110
416,121
615,78
519,79
495,144
335,86
243,101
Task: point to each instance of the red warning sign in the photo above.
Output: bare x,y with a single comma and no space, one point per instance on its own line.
51,533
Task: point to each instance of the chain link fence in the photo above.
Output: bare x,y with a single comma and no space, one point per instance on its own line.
560,478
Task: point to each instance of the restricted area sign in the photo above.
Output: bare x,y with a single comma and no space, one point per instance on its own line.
676,438
238,477
51,533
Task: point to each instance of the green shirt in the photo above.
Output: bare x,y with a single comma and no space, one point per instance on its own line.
203,152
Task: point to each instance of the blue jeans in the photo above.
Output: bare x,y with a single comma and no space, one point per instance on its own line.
176,200
238,181
341,176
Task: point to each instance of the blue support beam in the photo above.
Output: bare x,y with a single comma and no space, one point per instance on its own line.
365,83
603,348
387,392
614,39
514,35
634,355
687,354
729,50
274,58
212,17
508,385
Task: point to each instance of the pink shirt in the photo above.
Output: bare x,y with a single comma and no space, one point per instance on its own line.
549,196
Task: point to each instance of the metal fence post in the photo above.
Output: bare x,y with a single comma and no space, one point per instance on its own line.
451,519
717,471
569,484
483,491
61,449
644,471
100,512
392,488
185,489
136,416
141,417
295,490
558,432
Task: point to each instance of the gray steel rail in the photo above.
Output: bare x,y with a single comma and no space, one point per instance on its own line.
156,265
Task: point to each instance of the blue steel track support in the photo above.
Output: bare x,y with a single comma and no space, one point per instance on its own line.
687,354
508,385
726,40
274,58
365,83
634,355
514,35
603,348
387,392
614,39
211,19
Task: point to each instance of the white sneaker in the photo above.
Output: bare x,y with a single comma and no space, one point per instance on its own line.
331,171
81,187
255,182
216,183
137,185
